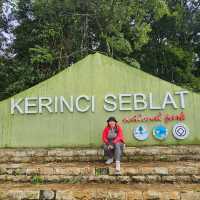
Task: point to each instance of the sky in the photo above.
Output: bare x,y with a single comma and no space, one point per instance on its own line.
12,23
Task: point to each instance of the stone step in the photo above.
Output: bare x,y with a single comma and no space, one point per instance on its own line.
99,192
96,172
153,153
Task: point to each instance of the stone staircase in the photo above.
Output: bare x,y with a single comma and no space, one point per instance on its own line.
100,192
147,173
89,172
152,153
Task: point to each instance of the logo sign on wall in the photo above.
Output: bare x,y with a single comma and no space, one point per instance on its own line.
180,131
160,132
140,133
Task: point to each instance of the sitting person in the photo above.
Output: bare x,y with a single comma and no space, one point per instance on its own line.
113,142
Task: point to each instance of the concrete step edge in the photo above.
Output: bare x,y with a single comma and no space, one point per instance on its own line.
100,179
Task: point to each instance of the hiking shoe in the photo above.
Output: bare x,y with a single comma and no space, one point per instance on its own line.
117,172
109,161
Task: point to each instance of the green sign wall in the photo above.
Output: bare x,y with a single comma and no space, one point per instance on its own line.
71,108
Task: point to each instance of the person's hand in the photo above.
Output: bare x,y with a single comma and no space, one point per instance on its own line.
110,147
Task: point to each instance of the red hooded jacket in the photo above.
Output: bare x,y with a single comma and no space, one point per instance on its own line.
119,138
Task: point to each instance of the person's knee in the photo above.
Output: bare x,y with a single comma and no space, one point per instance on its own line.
105,146
118,146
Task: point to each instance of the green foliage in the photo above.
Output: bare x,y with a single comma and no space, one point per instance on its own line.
41,55
171,51
160,37
119,44
37,180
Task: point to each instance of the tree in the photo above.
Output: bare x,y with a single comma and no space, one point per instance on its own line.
172,51
157,36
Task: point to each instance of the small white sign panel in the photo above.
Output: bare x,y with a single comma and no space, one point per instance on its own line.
140,133
180,131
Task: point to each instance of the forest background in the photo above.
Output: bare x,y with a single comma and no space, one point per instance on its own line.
39,38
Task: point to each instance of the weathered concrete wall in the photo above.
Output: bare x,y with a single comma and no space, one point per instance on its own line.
97,76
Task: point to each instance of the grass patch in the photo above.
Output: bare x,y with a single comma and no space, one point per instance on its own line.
37,180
